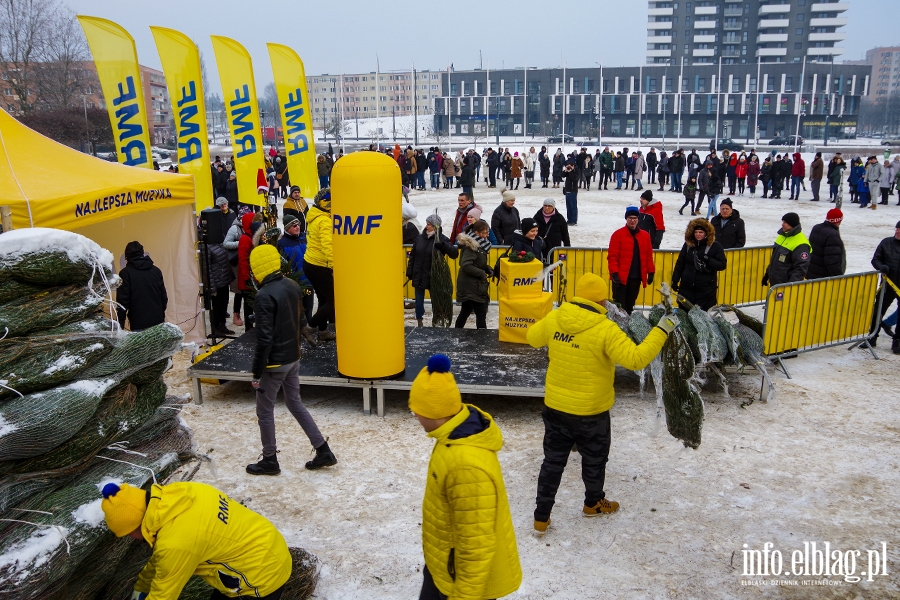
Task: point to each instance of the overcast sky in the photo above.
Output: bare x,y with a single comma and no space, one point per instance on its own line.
337,35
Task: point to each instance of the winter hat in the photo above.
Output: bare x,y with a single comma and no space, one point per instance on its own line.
792,219
434,220
475,212
515,153
632,211
726,201
592,287
507,195
295,188
262,186
434,394
647,195
220,201
134,250
264,260
549,202
124,507
408,211
323,199
897,226
528,224
835,216
289,220
232,176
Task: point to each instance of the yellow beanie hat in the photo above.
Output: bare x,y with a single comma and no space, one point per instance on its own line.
264,260
124,507
434,394
592,287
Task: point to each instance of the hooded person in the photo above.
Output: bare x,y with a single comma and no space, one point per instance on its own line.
195,529
468,537
472,281
319,267
798,173
790,253
408,213
584,347
697,267
418,266
142,295
828,257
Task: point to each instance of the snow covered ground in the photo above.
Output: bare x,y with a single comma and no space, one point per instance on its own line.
819,464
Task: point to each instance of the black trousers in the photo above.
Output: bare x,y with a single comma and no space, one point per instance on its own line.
591,434
626,294
219,307
657,238
276,595
492,177
889,296
322,280
429,590
468,307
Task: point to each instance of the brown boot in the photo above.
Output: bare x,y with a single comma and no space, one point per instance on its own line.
309,334
604,507
326,336
419,323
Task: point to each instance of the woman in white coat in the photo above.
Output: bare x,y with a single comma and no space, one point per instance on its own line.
530,160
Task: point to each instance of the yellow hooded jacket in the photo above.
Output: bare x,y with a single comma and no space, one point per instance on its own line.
467,532
318,238
195,529
584,348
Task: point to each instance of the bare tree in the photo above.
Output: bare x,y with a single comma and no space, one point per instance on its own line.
22,26
61,77
439,136
336,126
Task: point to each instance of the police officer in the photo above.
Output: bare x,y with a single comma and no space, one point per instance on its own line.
790,254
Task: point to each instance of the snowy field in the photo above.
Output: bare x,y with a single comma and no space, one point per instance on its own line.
819,463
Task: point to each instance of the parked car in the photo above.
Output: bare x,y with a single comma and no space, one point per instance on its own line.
725,144
788,140
557,139
891,142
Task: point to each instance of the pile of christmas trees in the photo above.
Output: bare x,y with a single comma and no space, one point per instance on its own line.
81,404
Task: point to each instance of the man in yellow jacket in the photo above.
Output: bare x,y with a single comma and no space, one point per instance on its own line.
194,529
467,532
584,348
317,262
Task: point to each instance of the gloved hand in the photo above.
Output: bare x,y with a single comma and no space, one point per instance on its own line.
885,269
668,323
650,278
136,595
674,286
765,279
615,279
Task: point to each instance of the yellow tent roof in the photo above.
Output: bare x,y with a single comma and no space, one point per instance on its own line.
48,184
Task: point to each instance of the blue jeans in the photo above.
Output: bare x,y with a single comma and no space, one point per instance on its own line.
435,180
711,207
795,186
323,181
467,190
676,181
619,180
420,179
420,302
572,208
477,171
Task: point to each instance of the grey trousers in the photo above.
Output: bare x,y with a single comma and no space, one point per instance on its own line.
815,183
287,379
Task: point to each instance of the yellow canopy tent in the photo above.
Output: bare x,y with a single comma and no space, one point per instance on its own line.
47,184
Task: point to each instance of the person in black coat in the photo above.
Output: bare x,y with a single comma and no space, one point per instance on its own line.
544,162
729,226
493,163
886,260
505,220
220,277
696,271
142,295
552,226
828,257
418,267
528,240
231,192
228,215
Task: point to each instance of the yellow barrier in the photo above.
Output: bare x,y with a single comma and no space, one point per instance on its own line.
739,284
818,313
493,255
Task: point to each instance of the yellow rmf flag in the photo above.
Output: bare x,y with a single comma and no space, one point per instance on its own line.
242,108
181,64
120,78
296,118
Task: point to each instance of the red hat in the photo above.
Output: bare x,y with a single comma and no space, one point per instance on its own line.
262,187
834,216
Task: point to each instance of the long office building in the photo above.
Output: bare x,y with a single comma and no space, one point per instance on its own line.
749,101
740,31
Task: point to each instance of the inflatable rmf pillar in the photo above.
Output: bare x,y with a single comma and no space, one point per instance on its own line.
368,266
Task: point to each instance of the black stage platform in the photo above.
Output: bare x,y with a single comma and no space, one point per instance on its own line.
481,364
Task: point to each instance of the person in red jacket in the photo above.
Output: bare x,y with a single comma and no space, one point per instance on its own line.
460,218
798,172
654,208
245,245
630,260
740,171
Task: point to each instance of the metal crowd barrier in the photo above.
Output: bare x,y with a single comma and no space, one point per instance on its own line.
495,253
739,283
819,313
